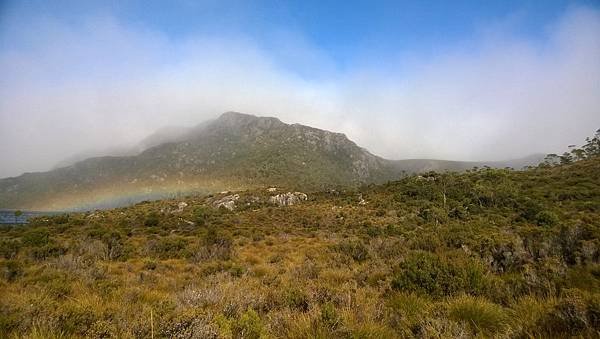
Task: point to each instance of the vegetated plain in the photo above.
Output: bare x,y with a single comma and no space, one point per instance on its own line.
488,252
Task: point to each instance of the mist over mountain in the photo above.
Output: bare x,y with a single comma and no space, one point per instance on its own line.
235,151
161,136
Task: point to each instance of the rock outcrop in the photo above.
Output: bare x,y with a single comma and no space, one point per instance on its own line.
227,202
288,199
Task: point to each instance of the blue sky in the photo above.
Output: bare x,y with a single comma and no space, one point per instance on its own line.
346,30
470,80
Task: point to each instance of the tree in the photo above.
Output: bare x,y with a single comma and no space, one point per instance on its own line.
592,146
18,213
566,158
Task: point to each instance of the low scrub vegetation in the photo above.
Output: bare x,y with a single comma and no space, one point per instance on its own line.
487,253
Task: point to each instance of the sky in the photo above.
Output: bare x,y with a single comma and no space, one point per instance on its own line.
458,80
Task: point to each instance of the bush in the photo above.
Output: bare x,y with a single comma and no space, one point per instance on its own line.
329,317
479,314
36,237
48,251
407,310
546,218
11,270
169,247
248,326
9,248
150,265
427,273
215,245
296,299
115,247
152,219
354,249
571,314
529,209
215,237
202,215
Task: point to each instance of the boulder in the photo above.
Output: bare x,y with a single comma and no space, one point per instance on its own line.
227,202
288,199
180,207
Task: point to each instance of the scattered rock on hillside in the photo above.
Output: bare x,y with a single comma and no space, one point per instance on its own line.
227,202
272,189
288,199
361,201
180,207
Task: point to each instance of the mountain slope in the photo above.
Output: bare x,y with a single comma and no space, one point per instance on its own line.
235,151
484,254
425,165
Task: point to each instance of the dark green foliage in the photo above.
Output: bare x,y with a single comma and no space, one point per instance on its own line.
201,215
114,244
47,251
9,248
36,237
11,269
248,326
427,273
355,249
60,219
575,312
329,317
546,218
297,299
169,247
152,219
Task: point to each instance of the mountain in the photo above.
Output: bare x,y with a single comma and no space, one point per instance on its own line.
161,136
233,152
425,165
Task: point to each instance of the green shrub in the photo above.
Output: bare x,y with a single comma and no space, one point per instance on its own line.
215,244
407,310
9,248
296,299
152,219
60,219
427,273
216,237
355,249
248,326
479,314
575,311
202,215
36,237
114,244
529,209
150,265
47,251
546,218
11,269
169,247
330,318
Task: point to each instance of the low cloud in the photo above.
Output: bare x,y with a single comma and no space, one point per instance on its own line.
99,84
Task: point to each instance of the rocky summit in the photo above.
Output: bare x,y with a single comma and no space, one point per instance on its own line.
235,151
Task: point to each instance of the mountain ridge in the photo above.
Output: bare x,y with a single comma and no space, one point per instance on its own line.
233,152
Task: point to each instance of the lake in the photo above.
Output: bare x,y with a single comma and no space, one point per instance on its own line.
8,217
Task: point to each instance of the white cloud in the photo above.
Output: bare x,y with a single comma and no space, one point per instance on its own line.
68,88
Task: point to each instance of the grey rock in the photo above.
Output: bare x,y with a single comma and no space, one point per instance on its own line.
288,199
227,202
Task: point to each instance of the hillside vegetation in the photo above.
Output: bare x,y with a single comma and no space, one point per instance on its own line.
489,253
233,152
